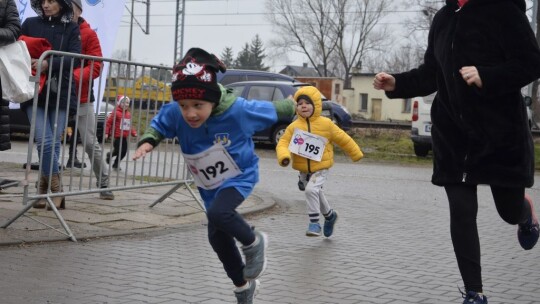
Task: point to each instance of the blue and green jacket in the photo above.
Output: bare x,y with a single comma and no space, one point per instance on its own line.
232,123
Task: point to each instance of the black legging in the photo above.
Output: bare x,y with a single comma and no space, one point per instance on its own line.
512,208
225,227
120,146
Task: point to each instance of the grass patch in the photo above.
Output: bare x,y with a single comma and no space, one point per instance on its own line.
396,146
387,146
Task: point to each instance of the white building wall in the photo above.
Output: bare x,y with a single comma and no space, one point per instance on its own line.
391,109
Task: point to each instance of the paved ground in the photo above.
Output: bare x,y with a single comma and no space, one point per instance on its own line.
391,245
87,216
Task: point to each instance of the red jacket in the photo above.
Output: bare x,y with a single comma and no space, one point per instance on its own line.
90,46
36,47
122,123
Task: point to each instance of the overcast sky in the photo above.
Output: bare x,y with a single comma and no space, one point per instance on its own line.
209,24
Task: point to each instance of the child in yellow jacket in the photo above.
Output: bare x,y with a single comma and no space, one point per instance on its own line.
309,142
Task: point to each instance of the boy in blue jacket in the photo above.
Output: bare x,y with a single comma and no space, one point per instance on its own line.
214,129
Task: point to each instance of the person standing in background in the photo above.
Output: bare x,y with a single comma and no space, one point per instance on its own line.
53,23
119,126
480,54
86,116
10,30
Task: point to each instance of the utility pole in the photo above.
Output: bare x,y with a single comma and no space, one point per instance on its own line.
132,19
179,29
131,29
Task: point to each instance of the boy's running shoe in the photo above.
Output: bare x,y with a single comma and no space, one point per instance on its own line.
328,227
314,229
246,296
529,231
255,257
472,297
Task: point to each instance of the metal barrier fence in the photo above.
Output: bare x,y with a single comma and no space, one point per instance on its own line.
50,125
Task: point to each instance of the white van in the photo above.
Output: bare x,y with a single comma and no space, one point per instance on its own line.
421,123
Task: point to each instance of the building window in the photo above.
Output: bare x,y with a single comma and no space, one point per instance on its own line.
363,102
407,105
337,88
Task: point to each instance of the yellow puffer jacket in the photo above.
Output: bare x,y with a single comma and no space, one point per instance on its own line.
319,125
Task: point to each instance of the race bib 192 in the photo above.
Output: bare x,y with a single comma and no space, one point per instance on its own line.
212,167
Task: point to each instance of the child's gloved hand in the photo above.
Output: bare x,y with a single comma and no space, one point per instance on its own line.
285,162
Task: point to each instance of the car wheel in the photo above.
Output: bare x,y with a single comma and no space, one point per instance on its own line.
278,132
421,151
336,120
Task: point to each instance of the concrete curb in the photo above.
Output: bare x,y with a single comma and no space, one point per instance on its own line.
24,231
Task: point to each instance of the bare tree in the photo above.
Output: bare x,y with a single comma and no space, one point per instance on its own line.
333,34
120,69
416,32
307,27
355,31
404,59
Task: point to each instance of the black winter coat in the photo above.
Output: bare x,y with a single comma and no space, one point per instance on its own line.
63,35
10,29
480,136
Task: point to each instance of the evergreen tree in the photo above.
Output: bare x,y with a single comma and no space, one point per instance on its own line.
257,54
243,60
227,57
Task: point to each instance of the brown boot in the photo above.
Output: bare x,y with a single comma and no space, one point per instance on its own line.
56,187
43,185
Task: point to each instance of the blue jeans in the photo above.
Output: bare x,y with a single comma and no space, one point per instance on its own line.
53,125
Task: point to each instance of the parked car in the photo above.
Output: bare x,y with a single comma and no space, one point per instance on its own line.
276,90
105,108
421,123
528,103
237,75
341,115
19,122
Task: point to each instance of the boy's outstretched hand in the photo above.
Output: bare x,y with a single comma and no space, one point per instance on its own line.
142,150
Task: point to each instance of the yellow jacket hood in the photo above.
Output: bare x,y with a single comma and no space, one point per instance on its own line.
312,94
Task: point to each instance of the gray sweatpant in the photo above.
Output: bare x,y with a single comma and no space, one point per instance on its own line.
86,126
315,200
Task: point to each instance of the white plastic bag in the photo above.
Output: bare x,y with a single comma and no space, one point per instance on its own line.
15,72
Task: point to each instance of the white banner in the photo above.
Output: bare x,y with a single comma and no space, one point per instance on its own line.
104,17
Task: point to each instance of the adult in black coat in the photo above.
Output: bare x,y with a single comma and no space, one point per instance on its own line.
53,23
10,29
480,54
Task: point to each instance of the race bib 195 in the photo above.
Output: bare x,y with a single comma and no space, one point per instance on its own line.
307,145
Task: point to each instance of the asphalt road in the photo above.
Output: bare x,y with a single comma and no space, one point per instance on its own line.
391,245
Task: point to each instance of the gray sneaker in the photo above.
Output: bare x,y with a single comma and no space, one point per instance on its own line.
256,257
106,195
246,296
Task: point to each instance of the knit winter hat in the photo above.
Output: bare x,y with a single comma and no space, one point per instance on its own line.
78,4
195,77
122,98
